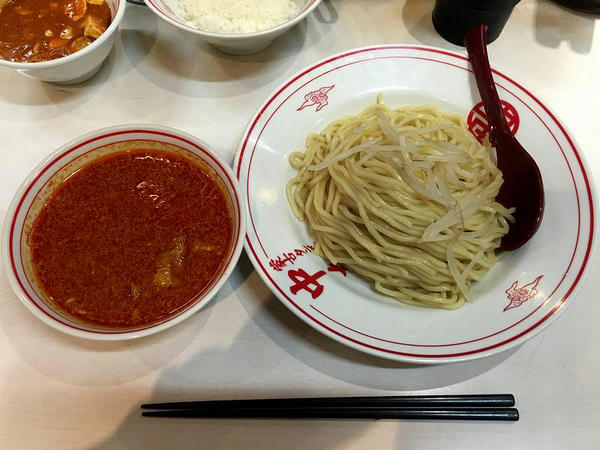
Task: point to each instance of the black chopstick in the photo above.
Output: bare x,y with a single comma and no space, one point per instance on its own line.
420,407
494,414
421,401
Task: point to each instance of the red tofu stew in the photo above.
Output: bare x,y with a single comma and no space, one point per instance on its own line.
41,30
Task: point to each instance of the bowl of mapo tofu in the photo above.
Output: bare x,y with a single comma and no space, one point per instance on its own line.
60,41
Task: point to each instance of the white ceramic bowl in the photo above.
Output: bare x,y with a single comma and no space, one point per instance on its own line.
233,43
60,164
81,65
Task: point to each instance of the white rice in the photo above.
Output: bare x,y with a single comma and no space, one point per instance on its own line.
238,16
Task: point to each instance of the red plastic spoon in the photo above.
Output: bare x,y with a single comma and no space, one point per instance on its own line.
522,186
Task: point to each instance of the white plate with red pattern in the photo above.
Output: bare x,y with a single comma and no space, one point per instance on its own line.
518,297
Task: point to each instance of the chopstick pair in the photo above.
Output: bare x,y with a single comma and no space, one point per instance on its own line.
497,407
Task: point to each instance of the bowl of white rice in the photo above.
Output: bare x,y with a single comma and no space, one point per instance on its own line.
239,27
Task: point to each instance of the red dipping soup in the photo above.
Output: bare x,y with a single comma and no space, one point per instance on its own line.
132,238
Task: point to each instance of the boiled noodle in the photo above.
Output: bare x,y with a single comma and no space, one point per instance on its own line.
405,198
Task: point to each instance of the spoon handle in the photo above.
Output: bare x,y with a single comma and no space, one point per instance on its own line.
475,43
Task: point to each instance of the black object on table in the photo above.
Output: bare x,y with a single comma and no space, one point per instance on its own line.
501,414
453,19
585,6
497,407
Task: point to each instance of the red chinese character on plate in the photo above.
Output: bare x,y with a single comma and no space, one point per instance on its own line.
277,264
478,124
318,97
289,257
304,281
518,295
336,268
282,260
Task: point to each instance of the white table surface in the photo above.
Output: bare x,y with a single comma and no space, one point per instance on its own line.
62,392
